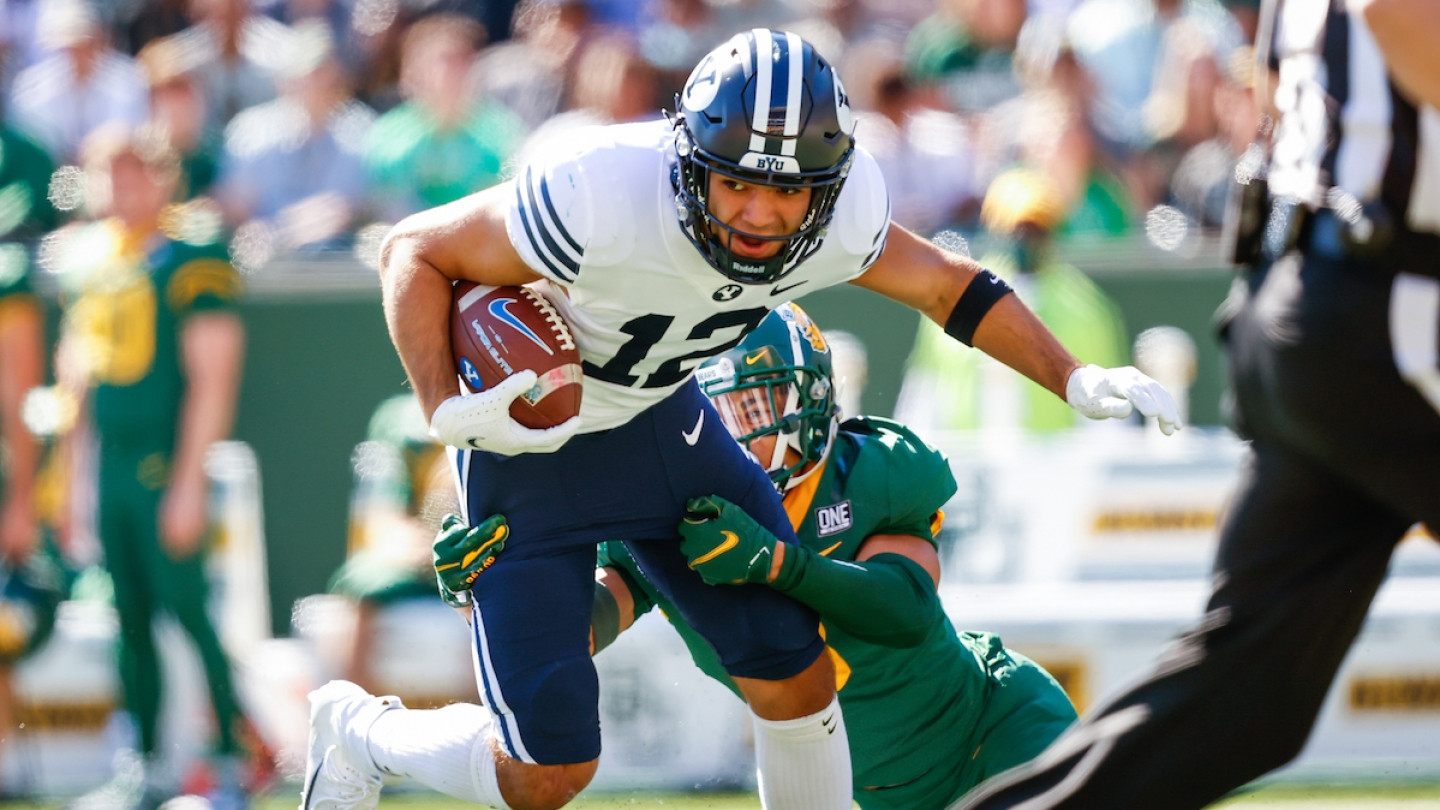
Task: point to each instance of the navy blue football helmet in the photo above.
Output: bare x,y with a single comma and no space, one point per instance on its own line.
763,108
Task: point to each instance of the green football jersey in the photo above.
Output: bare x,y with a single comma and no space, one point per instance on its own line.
126,305
916,717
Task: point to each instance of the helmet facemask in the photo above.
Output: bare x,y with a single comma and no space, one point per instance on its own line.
800,137
777,382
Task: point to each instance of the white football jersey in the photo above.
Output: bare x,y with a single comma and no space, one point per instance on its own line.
597,218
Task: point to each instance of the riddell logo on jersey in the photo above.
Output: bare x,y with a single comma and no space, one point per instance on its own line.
833,519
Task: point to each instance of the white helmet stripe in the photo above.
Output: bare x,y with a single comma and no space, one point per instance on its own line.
795,50
764,64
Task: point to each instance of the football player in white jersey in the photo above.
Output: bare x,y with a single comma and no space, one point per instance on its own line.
662,244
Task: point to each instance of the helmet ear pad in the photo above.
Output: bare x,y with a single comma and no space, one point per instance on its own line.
738,116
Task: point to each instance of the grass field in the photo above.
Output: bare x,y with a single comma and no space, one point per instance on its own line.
1278,797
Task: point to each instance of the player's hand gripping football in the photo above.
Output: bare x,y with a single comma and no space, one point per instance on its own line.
724,544
482,421
1114,393
462,553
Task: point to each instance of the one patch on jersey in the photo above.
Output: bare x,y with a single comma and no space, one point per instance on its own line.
833,519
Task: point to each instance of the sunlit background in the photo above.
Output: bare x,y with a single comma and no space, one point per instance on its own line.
1083,148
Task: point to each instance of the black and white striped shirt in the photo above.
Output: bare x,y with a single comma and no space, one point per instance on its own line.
1344,124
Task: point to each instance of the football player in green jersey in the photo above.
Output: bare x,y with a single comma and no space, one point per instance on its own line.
930,712
151,335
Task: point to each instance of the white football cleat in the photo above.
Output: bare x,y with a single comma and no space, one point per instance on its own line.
339,773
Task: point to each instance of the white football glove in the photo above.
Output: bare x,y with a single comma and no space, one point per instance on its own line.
1113,393
482,421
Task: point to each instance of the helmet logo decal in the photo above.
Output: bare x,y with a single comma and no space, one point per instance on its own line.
842,109
703,85
752,359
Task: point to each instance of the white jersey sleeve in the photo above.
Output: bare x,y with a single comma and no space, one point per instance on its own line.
862,214
555,222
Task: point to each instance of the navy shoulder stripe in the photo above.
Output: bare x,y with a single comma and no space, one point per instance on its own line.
542,226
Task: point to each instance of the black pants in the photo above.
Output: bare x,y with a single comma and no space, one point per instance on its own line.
1345,457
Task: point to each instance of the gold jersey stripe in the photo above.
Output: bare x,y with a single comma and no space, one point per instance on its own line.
200,276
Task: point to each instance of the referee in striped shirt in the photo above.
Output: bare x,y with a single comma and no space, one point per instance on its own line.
1331,334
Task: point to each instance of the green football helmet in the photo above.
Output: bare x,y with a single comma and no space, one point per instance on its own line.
779,381
30,595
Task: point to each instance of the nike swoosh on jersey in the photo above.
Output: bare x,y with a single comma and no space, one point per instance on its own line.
693,435
731,541
778,289
826,552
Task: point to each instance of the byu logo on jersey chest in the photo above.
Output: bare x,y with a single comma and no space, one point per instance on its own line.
728,293
833,519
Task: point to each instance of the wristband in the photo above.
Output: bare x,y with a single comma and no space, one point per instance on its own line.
982,294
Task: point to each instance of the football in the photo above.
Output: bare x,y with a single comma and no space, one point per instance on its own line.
497,331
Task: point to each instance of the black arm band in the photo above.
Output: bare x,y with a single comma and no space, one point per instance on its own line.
984,290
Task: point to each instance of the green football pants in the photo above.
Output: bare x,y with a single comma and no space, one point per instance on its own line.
147,580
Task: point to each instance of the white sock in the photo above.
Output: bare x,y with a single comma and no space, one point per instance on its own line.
804,764
445,749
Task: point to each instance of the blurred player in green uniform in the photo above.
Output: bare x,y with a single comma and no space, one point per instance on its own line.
403,489
27,601
152,336
930,712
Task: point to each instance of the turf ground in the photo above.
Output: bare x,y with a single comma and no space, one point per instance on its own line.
1279,797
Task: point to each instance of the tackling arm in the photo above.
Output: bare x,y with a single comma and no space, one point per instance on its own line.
887,597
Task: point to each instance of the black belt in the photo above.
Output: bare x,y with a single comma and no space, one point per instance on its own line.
1324,234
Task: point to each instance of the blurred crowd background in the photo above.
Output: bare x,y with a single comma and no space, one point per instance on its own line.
308,125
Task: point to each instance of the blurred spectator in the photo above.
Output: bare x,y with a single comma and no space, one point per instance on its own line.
1056,140
235,53
177,108
1138,52
151,338
613,84
949,386
18,46
969,47
925,153
336,15
144,21
676,35
529,73
1201,185
403,489
293,168
81,85
442,143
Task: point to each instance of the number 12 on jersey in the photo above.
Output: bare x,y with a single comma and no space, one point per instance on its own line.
648,330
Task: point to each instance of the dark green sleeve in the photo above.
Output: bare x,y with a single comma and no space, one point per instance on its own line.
887,600
612,554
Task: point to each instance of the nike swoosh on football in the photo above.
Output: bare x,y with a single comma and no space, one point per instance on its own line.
731,541
777,289
693,435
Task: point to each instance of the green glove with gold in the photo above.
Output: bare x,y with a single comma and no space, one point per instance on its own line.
462,553
727,547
